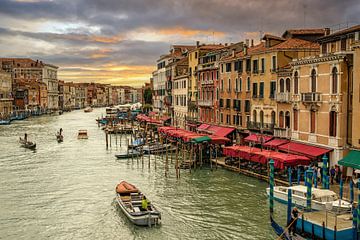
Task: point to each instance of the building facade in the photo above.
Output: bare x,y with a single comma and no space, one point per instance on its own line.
6,97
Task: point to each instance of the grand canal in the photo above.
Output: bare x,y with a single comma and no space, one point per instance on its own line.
66,190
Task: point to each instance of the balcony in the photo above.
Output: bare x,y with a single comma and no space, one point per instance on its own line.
282,132
205,103
311,97
267,127
282,97
206,82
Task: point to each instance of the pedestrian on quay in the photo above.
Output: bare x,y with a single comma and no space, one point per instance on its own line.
332,174
318,174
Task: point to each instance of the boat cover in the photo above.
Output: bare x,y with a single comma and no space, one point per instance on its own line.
125,187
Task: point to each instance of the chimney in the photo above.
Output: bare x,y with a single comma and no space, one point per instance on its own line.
225,44
252,42
327,31
197,44
247,42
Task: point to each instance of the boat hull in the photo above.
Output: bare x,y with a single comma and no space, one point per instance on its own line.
132,153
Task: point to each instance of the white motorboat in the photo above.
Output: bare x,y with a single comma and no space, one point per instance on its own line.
129,199
319,200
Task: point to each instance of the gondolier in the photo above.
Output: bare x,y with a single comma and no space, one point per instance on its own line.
293,221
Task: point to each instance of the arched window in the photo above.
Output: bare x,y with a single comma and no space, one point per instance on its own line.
229,84
332,124
313,80
287,119
254,116
288,85
248,84
334,81
296,119
236,85
273,117
281,85
281,119
296,82
262,118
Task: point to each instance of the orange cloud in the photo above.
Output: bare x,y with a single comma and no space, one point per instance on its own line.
189,31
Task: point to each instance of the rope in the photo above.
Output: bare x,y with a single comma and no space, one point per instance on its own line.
288,227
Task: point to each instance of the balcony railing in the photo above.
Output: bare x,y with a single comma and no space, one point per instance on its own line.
260,126
282,132
311,97
283,97
205,103
204,82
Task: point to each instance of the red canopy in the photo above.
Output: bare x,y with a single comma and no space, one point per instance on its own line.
275,143
256,155
307,150
215,130
219,140
203,126
257,138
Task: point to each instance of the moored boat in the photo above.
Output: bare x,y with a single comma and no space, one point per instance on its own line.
82,134
88,109
27,144
319,199
128,154
5,122
157,148
129,199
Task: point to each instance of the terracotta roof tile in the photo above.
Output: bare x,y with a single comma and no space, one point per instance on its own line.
344,31
295,43
305,31
269,36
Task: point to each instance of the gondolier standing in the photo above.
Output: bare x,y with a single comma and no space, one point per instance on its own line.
293,221
25,137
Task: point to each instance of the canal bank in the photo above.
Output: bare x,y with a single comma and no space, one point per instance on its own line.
66,190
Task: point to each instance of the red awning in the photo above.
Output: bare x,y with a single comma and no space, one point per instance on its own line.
307,150
257,138
203,126
165,118
219,140
275,143
220,131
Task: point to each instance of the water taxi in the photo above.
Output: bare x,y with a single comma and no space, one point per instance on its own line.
319,199
129,199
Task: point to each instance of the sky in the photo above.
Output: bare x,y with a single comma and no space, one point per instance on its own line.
119,41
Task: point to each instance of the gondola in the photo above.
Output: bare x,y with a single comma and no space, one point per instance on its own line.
128,154
27,144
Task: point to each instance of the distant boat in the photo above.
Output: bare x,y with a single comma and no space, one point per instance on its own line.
129,199
88,109
319,198
128,154
27,144
5,122
59,137
82,134
137,143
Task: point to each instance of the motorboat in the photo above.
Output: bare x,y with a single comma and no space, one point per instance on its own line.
320,198
27,144
128,154
82,134
129,199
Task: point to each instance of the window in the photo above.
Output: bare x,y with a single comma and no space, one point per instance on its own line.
227,119
248,84
313,80
272,89
273,117
323,48
281,119
255,66
228,103
222,68
296,83
287,85
248,65
296,117
273,63
262,118
254,90
262,65
312,121
222,85
281,85
236,85
240,84
247,105
229,85
196,55
228,67
221,118
334,82
221,102
236,67
261,91
240,66
343,44
287,119
254,116
332,124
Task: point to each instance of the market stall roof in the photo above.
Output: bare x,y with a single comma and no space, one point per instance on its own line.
257,138
201,139
220,131
351,160
203,126
304,149
219,139
165,118
275,142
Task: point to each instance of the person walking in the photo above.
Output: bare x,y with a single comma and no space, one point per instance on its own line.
332,174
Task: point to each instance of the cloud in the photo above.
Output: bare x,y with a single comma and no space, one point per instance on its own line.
85,34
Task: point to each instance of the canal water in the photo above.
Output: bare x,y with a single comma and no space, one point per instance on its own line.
66,190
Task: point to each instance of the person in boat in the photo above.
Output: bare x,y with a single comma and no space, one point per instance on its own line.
144,204
25,137
60,131
293,220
